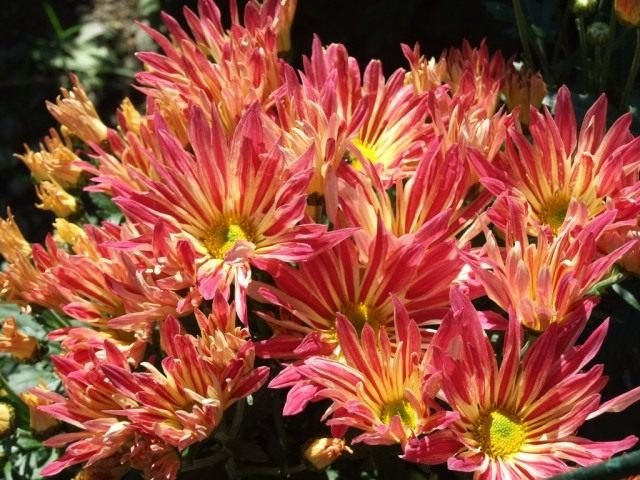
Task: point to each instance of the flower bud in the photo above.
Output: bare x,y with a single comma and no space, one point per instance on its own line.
7,420
598,34
628,12
322,452
524,89
56,199
584,7
75,111
42,424
16,343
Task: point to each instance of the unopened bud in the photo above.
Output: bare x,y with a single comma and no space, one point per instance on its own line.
584,7
322,452
628,12
7,420
598,34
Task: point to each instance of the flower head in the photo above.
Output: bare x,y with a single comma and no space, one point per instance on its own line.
524,89
628,12
548,281
383,390
593,166
75,111
322,452
239,200
56,199
41,423
16,343
184,402
359,284
519,416
55,161
7,420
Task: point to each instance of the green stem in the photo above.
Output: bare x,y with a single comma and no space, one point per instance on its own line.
602,285
618,467
584,58
604,74
523,33
633,72
237,418
562,34
206,462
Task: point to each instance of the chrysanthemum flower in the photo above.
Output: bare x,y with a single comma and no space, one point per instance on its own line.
22,281
55,161
611,240
7,420
523,89
13,245
89,396
548,281
55,199
462,112
628,12
359,285
437,192
384,119
76,112
471,73
184,403
594,167
16,343
322,452
383,390
238,200
41,424
229,69
519,416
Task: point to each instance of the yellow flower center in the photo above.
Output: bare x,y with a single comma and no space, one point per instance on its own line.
360,314
554,210
224,235
401,408
366,149
499,433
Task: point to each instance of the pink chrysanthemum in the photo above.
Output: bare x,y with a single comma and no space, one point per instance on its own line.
383,390
200,378
548,281
359,285
519,416
239,200
594,166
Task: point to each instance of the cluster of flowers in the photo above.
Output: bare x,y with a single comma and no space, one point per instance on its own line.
370,211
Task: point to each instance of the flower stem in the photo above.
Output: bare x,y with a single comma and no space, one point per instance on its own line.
633,72
604,74
523,33
210,461
582,35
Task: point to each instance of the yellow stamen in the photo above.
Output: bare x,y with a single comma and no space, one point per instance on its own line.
403,409
554,210
361,314
500,434
367,150
224,235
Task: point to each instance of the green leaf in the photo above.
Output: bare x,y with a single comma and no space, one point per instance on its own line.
627,296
